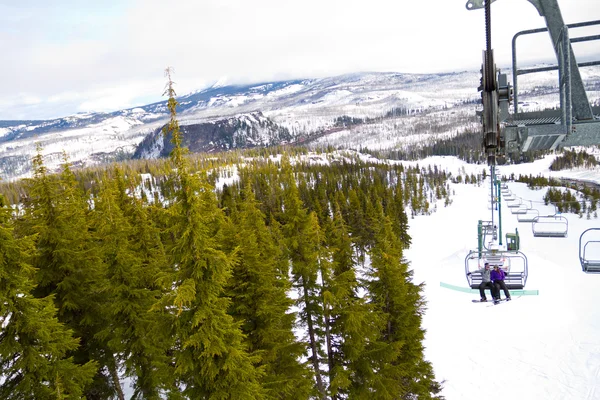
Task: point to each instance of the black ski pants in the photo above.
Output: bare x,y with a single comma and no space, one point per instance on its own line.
483,286
500,285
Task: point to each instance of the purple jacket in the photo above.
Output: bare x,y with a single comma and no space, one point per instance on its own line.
497,275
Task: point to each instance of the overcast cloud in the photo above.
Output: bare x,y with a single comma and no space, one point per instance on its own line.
78,55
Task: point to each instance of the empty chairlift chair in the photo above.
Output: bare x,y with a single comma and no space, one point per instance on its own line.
520,209
529,216
525,206
515,203
589,250
550,226
509,197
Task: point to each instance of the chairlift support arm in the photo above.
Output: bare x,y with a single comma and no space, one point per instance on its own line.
558,31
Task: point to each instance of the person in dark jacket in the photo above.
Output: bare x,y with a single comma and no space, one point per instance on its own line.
486,282
497,277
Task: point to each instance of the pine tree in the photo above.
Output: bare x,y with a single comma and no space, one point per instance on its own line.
211,361
302,237
133,261
68,265
401,368
260,303
34,345
353,323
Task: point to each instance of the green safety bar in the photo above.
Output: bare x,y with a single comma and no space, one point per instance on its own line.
516,292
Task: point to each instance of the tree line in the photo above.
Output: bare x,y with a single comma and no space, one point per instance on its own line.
584,201
287,283
573,159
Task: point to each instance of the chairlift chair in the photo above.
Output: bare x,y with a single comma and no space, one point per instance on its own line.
521,209
529,216
550,226
515,203
589,250
509,197
514,264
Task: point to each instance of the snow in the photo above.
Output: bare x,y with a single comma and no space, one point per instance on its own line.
544,346
286,90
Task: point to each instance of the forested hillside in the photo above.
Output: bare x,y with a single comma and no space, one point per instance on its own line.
287,282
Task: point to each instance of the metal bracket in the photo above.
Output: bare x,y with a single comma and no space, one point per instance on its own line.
477,4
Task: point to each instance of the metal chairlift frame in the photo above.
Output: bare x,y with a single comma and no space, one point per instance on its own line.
513,262
576,124
529,216
588,265
514,203
550,220
488,229
521,209
509,197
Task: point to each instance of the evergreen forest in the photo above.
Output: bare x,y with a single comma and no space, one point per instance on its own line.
288,281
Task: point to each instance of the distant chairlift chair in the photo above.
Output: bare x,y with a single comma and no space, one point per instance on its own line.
509,197
529,216
550,226
516,202
520,209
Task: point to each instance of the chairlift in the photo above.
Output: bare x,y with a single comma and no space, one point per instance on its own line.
488,232
514,264
520,209
529,216
589,250
509,197
515,203
550,226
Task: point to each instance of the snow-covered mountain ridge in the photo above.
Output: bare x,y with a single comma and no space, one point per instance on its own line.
387,110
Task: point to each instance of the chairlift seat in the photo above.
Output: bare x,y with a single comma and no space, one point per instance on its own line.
590,240
550,226
514,263
591,266
513,204
529,216
513,280
522,209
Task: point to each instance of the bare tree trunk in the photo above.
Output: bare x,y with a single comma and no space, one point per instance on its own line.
313,345
114,374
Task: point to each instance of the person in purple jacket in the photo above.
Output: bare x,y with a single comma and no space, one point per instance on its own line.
497,277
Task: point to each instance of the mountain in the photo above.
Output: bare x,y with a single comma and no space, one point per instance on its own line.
362,110
240,131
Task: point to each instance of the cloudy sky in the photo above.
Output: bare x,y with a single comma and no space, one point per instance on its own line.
61,57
